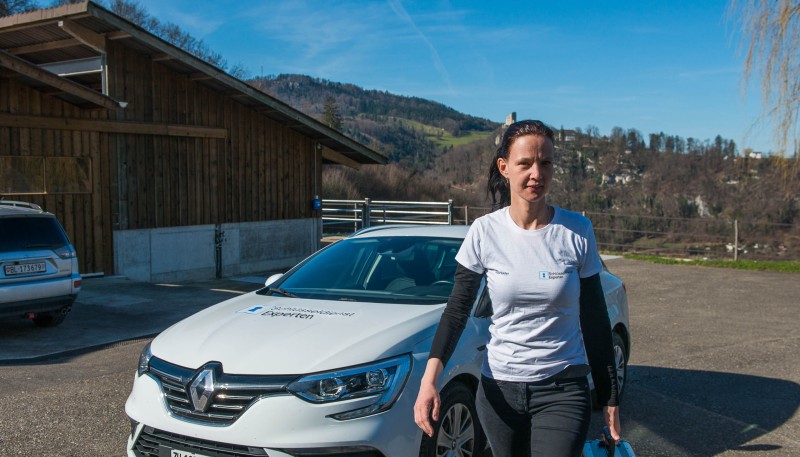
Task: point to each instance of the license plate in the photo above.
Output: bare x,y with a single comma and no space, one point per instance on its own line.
25,268
164,451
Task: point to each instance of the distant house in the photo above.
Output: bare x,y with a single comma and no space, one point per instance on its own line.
568,136
159,165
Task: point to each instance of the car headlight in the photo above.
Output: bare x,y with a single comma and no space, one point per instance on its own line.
144,360
383,380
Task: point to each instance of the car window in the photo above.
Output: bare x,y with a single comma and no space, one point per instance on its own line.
413,270
30,233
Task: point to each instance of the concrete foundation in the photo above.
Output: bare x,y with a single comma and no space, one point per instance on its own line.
188,253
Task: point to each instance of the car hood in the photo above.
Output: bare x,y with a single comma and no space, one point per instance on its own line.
256,334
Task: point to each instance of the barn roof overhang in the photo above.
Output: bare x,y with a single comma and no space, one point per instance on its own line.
79,31
73,92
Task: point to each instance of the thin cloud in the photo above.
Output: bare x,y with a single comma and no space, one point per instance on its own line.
401,12
324,40
701,73
313,30
646,30
195,23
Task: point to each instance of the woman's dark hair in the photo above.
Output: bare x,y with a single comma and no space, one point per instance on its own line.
497,187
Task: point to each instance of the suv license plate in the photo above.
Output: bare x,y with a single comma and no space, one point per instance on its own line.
25,268
164,451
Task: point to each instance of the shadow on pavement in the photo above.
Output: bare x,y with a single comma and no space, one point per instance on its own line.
703,413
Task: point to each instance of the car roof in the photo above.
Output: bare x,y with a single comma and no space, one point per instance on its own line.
438,231
10,211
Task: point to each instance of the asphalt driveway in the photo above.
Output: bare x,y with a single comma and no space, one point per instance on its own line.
714,371
113,309
715,368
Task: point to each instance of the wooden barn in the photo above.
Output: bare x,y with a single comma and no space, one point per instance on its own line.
160,166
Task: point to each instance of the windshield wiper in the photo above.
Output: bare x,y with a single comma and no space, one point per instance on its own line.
280,291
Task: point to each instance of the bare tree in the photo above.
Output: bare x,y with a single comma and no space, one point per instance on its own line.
133,11
770,34
9,7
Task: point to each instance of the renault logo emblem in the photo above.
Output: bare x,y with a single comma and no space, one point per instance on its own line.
202,390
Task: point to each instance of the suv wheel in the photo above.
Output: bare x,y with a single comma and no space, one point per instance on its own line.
51,319
457,432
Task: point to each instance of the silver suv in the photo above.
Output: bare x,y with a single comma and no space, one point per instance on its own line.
39,276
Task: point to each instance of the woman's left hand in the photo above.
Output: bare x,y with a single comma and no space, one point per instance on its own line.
611,419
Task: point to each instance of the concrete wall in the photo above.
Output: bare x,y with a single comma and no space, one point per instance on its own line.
188,253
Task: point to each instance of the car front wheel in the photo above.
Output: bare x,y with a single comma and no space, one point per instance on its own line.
621,362
458,432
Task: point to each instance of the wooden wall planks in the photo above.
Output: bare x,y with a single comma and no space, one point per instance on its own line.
262,171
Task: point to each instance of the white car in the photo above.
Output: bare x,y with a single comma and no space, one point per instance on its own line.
325,360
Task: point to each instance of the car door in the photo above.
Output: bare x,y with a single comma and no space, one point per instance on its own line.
469,353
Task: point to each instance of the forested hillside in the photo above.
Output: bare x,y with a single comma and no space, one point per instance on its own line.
657,173
411,131
642,185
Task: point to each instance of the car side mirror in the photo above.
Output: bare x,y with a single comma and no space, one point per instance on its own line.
272,279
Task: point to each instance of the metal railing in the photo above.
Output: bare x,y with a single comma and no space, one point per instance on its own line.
695,237
701,237
347,216
626,233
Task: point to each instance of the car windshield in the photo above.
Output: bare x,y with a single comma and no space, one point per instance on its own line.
30,233
402,269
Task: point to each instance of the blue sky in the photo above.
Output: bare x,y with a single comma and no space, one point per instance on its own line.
651,65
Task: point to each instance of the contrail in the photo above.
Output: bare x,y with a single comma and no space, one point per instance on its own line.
398,8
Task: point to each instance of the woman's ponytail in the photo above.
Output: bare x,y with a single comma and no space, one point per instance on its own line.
496,185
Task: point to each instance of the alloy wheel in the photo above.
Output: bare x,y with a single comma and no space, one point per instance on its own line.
619,361
456,436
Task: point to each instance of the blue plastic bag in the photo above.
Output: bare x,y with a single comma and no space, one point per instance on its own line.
605,447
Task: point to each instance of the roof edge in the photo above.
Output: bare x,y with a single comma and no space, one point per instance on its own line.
44,14
156,42
30,70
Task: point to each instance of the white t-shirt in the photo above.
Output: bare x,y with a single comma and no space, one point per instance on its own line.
533,281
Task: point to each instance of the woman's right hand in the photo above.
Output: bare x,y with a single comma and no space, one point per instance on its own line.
426,407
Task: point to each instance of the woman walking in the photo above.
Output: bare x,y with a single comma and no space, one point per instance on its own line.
549,328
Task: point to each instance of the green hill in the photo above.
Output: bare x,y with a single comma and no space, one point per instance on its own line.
412,131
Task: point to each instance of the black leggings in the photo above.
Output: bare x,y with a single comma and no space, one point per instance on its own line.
539,419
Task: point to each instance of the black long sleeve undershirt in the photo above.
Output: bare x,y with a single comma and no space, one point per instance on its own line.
455,314
596,329
595,326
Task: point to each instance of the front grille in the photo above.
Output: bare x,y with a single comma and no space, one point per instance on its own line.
150,440
232,395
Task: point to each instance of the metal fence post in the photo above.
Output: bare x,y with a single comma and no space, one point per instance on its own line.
735,240
366,215
466,215
450,212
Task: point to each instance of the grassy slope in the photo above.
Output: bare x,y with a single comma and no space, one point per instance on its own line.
786,266
440,136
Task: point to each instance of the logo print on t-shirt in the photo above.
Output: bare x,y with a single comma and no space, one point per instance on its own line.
553,274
